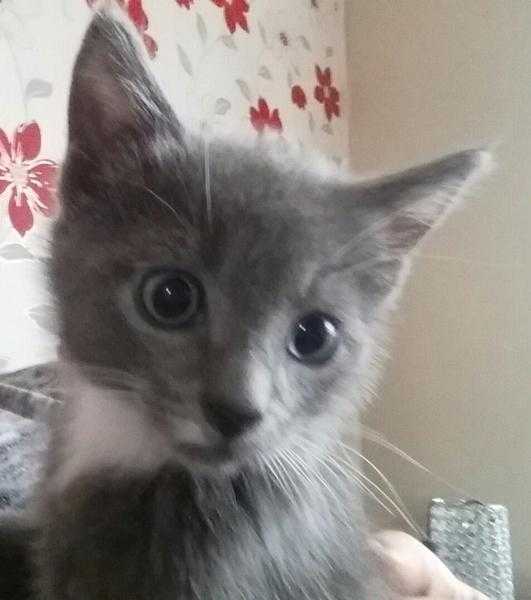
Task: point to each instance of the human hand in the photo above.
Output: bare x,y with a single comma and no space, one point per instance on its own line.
413,571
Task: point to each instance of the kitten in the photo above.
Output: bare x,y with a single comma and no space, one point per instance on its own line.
220,308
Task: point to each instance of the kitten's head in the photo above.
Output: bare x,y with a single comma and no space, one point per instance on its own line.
241,292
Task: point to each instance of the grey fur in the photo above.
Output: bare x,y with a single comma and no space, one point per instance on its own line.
269,515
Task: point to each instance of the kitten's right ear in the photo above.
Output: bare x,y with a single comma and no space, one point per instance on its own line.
111,90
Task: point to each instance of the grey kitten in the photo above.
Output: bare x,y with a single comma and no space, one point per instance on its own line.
220,308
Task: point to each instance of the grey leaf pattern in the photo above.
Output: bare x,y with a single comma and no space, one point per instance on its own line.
263,34
305,42
185,61
38,88
327,128
297,71
44,316
311,122
228,40
201,28
329,51
15,252
290,79
244,88
264,72
222,106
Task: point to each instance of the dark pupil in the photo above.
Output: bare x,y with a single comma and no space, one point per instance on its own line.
310,335
172,298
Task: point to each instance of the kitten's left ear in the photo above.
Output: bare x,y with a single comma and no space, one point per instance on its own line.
404,207
389,216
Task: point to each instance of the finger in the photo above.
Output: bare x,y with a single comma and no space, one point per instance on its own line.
399,563
411,570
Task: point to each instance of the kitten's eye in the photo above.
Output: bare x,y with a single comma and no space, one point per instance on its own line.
170,299
314,338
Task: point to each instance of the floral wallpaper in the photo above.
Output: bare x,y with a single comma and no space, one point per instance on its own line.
256,66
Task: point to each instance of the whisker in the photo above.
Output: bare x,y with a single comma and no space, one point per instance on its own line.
384,478
470,261
294,488
398,503
351,475
208,190
275,471
304,470
373,436
355,476
294,459
401,511
182,222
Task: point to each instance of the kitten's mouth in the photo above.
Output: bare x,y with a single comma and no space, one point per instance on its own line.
223,456
212,455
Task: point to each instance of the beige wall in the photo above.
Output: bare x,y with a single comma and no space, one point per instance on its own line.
430,76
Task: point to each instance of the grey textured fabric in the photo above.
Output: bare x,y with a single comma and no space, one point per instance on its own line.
24,403
21,444
29,392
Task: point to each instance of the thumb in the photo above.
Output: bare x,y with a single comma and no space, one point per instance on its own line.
413,571
402,563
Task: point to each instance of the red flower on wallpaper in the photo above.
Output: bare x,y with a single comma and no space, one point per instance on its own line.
326,93
263,117
29,184
298,96
136,13
185,3
234,13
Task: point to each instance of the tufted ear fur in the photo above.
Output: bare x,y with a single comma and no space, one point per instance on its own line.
112,95
391,215
121,128
411,203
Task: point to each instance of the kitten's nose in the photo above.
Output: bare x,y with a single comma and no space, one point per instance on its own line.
229,419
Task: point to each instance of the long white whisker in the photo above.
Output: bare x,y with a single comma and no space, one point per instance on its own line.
358,475
384,478
182,222
309,473
292,484
289,488
470,261
351,475
366,489
208,190
397,502
295,460
375,437
276,476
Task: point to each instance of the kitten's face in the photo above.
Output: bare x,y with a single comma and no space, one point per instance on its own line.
240,291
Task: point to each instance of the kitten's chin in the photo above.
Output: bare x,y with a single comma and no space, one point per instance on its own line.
221,458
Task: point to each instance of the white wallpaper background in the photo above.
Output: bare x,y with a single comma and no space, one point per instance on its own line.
251,65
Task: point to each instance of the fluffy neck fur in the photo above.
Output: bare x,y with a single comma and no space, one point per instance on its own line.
290,529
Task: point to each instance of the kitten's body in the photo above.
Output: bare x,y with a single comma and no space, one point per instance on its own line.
169,536
198,462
